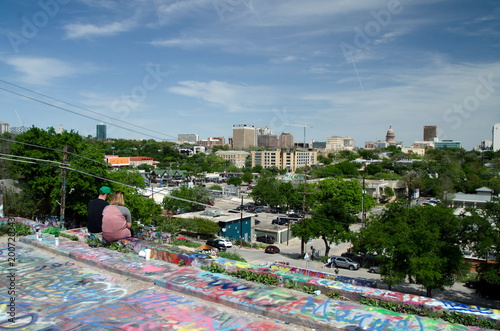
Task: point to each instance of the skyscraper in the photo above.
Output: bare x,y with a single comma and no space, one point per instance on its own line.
244,136
101,131
285,140
430,132
496,137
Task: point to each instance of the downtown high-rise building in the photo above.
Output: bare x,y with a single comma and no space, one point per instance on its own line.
430,132
285,140
101,131
244,136
496,137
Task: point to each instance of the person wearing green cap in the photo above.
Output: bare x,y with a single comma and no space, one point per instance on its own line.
95,208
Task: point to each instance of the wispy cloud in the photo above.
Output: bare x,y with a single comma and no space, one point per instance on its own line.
75,31
38,70
231,97
189,42
286,59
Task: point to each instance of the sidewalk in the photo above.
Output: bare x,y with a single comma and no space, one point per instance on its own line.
298,308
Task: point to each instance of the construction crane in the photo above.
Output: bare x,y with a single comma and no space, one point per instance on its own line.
305,126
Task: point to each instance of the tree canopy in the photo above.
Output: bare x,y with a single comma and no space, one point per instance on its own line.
198,194
420,242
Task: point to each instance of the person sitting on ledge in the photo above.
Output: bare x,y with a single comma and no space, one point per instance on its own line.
116,219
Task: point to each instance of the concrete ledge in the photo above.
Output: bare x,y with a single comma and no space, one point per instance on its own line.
284,304
158,271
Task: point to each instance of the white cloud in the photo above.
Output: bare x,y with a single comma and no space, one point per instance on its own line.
188,42
286,59
74,31
35,70
231,97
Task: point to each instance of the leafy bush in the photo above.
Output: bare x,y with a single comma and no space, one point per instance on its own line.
232,256
52,230
15,229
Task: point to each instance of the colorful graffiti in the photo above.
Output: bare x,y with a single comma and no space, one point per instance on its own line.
299,307
287,269
204,285
57,295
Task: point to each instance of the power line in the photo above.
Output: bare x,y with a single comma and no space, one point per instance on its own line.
86,116
52,149
79,107
63,166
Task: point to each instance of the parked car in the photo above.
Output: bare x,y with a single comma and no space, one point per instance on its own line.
215,243
434,200
471,283
352,256
345,262
272,249
374,270
225,242
266,239
280,221
257,221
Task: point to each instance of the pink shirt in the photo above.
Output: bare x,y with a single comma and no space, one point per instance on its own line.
114,222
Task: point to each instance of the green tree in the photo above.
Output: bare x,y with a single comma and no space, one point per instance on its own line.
247,177
335,201
411,243
190,199
480,234
41,179
204,227
236,181
266,191
330,221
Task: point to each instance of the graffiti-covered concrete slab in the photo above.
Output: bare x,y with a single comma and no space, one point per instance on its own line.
299,308
42,293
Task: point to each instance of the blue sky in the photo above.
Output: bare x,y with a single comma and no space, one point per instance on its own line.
160,68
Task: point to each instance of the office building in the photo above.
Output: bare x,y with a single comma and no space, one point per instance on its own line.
430,132
263,130
448,143
4,127
287,159
18,129
211,142
267,141
237,158
101,131
496,137
285,140
336,143
244,136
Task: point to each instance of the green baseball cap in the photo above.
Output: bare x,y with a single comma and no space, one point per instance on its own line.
105,190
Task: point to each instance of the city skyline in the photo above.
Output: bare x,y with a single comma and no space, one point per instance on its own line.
343,68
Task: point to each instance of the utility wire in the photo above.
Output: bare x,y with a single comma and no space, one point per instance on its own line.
82,108
76,113
53,149
64,166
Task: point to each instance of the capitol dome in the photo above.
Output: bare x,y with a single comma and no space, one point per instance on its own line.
390,137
